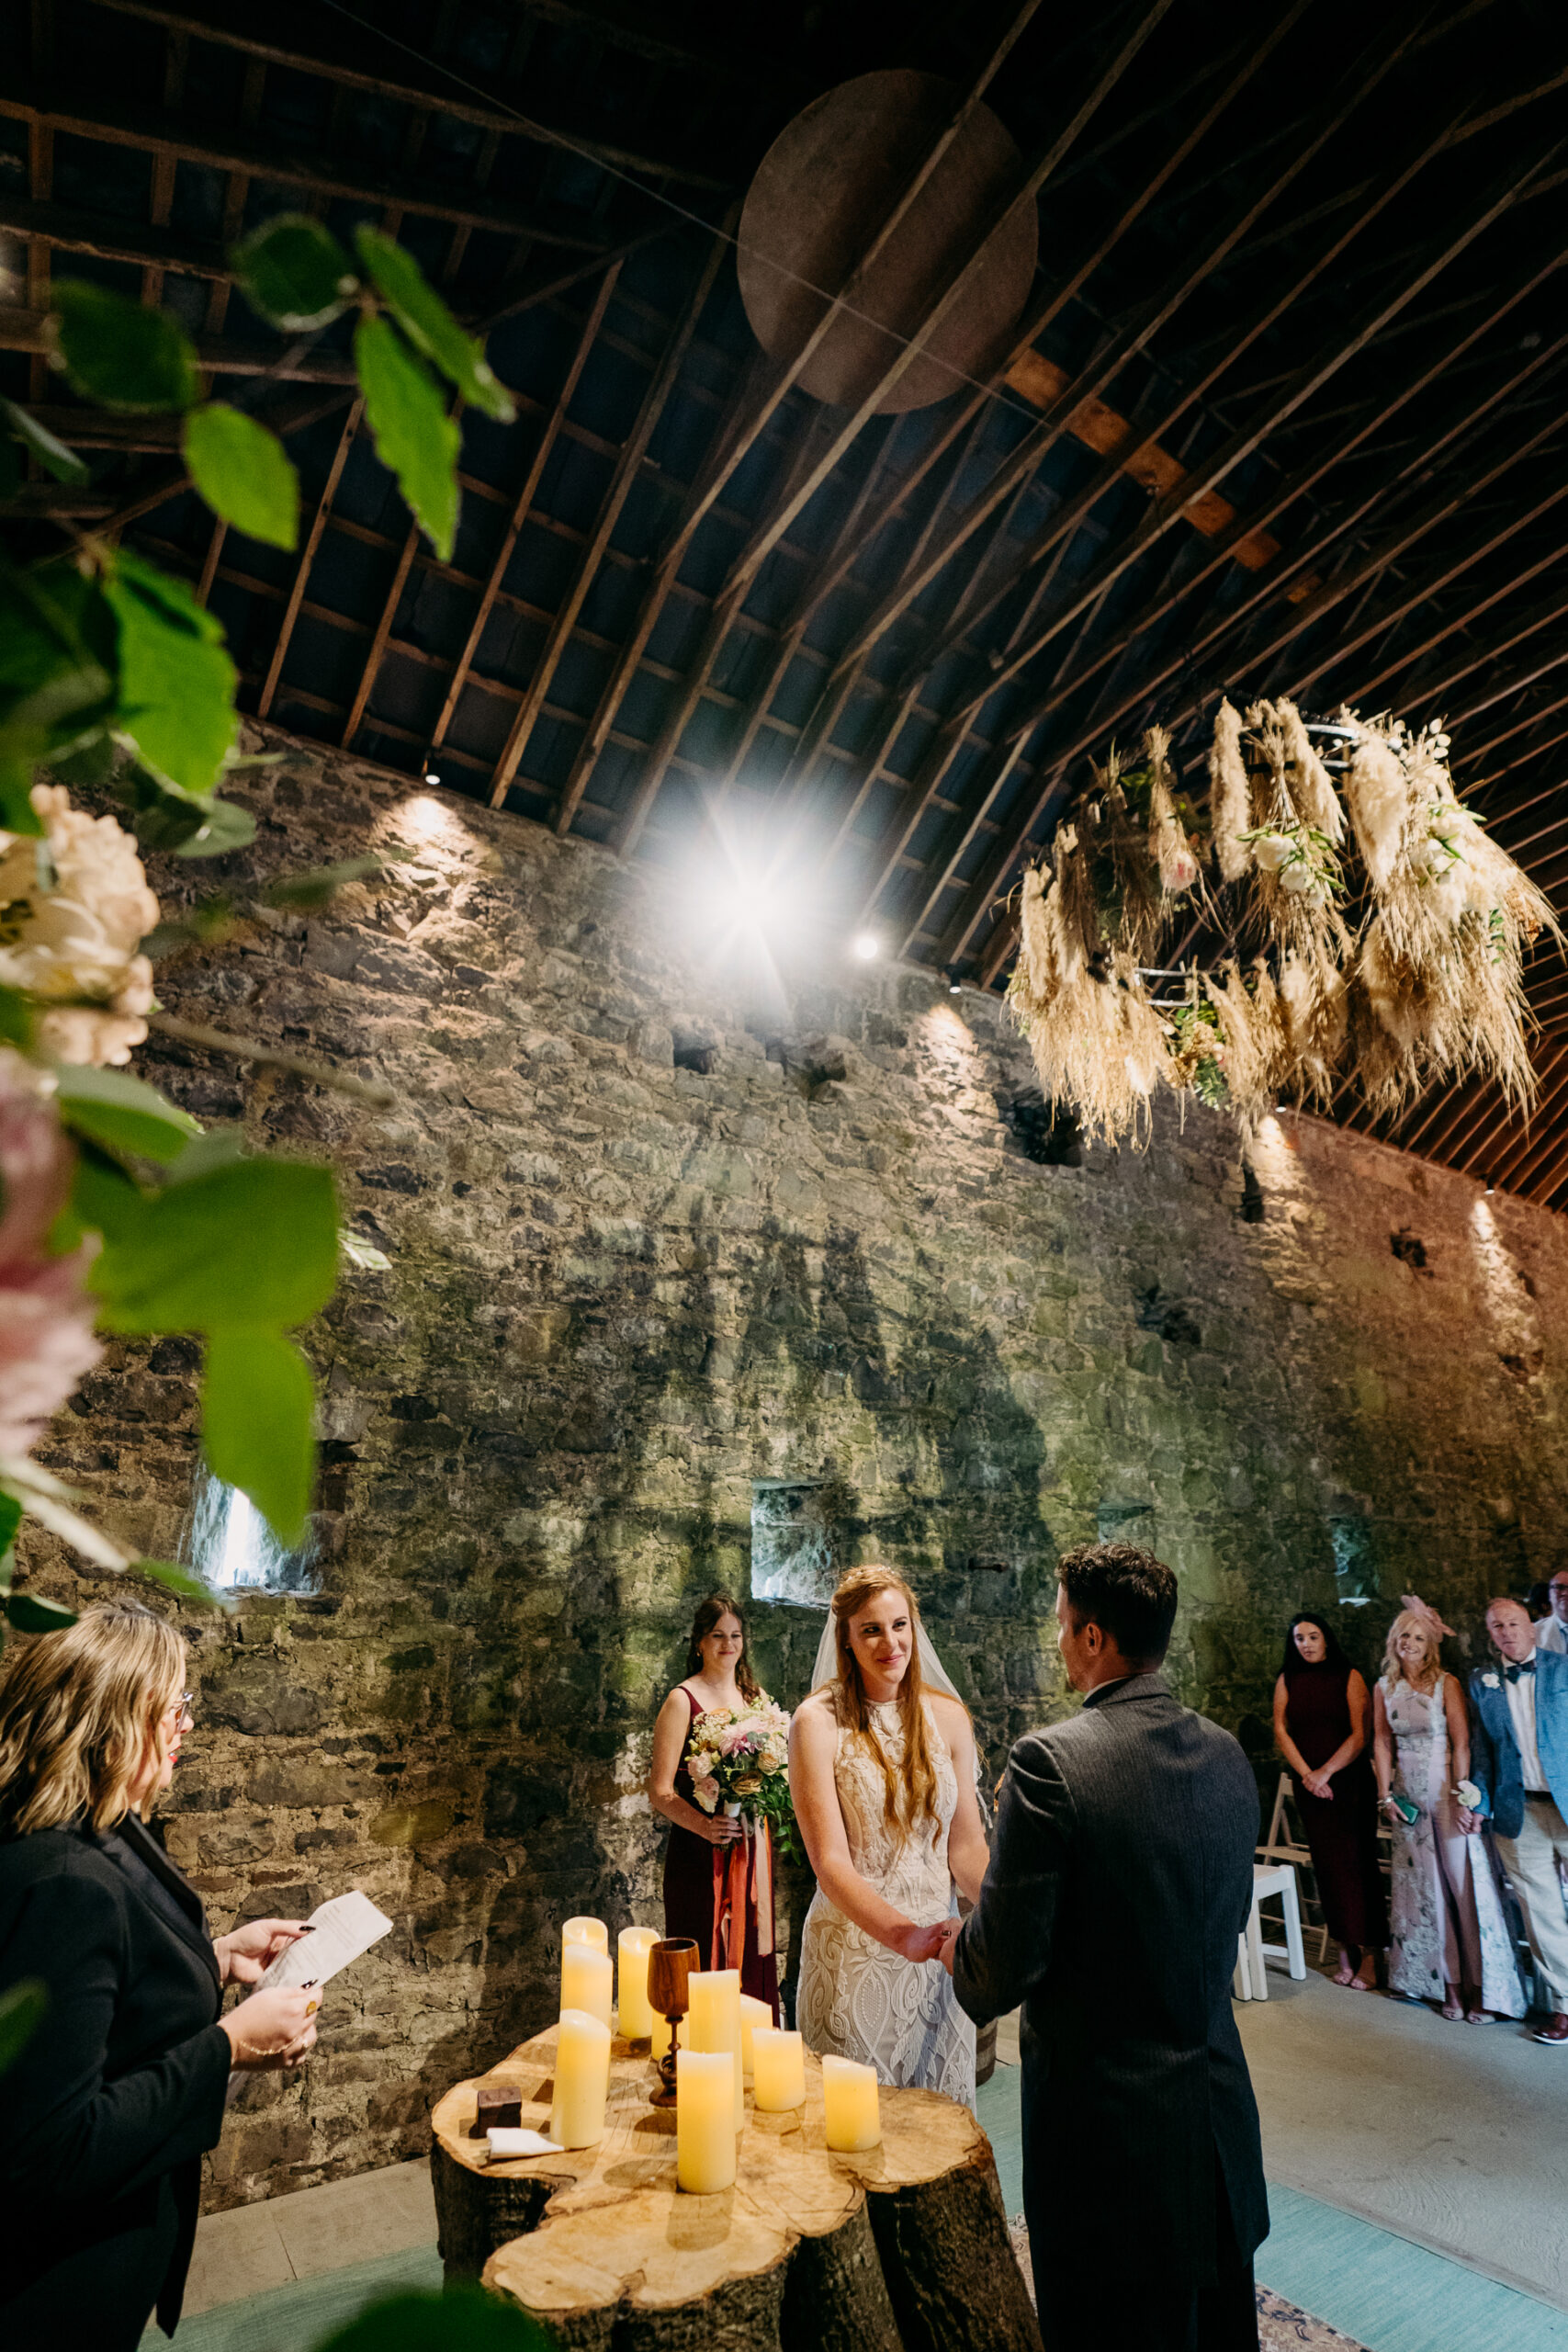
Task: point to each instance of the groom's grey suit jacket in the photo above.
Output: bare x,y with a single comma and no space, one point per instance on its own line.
1119,1878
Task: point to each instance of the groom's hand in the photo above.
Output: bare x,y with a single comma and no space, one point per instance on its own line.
950,1945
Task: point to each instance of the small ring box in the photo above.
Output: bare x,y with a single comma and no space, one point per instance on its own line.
499,2109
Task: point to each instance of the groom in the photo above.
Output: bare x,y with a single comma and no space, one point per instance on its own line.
1119,1878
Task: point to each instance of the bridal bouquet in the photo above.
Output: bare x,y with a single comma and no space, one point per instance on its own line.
737,1758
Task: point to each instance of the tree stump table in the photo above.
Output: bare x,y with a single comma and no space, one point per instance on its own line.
903,2249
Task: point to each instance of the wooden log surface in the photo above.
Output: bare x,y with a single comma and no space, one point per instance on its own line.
902,2249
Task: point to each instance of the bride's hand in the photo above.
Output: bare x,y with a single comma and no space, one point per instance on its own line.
922,1943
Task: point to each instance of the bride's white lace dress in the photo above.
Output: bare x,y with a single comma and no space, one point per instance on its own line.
856,1998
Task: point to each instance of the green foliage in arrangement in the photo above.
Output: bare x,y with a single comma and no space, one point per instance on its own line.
101,651
112,674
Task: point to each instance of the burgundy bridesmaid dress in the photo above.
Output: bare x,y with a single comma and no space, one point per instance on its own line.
690,1882
1342,1832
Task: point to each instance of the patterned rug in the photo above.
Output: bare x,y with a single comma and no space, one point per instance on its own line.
1280,2326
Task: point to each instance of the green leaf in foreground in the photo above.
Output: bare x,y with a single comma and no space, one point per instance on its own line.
51,453
242,472
253,1242
415,438
22,2008
176,682
429,324
224,826
294,272
30,1613
120,355
15,1019
464,2319
121,1114
257,1403
184,1582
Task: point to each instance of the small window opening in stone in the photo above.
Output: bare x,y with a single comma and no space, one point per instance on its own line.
1047,1133
231,1545
1252,1202
689,1053
1355,1570
793,1552
1409,1249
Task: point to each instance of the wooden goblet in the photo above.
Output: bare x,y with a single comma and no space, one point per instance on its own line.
670,1963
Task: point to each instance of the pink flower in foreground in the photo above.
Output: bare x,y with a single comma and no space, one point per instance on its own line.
46,1318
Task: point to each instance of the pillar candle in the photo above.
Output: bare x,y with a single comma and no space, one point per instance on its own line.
583,2079
848,2093
778,2060
704,2120
587,1980
632,1948
752,2015
713,2021
586,1931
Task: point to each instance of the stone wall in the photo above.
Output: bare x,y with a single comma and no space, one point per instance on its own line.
660,1234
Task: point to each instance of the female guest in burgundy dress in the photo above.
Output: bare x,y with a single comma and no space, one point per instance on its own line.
710,1889
1323,1729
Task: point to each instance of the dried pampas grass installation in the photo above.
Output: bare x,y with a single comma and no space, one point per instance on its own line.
1311,787
1378,792
1252,1037
1230,795
1430,987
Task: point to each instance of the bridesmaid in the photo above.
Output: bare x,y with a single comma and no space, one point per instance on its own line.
698,1861
1323,1729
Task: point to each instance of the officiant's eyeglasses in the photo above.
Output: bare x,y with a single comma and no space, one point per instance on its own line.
182,1709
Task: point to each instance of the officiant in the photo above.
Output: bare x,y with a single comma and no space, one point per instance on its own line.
120,2086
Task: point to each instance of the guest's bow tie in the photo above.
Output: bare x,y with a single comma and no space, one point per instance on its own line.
1514,1672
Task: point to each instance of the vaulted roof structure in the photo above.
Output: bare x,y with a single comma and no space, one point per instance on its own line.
1285,411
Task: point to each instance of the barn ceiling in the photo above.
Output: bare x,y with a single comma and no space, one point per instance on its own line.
1286,412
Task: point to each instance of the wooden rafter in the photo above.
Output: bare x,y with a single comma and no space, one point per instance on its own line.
626,469
307,557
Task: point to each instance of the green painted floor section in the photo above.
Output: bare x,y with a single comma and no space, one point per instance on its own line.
297,2318
1386,2292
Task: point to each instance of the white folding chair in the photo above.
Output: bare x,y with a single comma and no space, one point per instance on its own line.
1270,1880
1285,1843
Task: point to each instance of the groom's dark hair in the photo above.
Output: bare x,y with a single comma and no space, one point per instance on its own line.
1129,1594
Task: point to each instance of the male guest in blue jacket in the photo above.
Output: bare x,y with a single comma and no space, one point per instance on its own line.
1519,1759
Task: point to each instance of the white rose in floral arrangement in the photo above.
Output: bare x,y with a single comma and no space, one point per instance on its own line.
73,910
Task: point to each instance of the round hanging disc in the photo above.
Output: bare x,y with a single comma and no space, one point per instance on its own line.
820,195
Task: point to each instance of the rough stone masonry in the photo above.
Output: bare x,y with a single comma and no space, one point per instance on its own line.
668,1252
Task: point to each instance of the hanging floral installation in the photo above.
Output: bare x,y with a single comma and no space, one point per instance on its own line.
1383,938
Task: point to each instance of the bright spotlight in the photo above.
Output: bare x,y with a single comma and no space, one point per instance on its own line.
867,947
430,776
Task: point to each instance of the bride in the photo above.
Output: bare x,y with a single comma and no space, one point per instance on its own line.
882,1772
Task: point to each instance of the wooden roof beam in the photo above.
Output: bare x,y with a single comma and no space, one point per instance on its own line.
307,557
761,546
524,500
184,139
1211,469
626,469
312,41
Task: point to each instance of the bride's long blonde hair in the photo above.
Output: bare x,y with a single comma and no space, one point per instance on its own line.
911,1793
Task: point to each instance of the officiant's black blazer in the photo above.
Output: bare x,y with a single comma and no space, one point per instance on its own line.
1119,1878
105,2113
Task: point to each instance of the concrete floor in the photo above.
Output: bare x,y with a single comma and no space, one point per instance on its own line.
1454,2136
254,2248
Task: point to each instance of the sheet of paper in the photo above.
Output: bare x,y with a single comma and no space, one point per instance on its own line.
506,2139
343,1929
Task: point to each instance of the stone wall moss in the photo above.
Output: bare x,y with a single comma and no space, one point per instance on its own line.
654,1240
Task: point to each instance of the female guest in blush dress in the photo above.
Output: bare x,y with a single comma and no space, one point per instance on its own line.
700,1874
1323,1729
1450,1939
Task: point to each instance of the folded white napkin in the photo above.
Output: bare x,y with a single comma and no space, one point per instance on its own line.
508,2140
